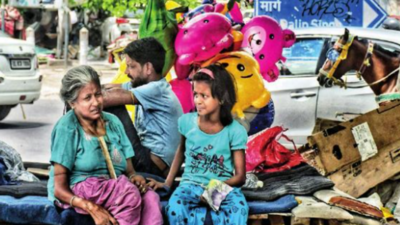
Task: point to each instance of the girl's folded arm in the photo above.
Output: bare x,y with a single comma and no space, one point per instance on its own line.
239,178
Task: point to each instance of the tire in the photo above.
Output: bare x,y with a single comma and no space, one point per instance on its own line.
4,111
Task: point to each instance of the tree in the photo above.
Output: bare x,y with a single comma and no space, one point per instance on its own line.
119,7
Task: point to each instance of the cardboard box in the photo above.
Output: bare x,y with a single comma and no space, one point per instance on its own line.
360,153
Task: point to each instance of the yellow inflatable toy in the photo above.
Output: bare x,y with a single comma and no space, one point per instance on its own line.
249,82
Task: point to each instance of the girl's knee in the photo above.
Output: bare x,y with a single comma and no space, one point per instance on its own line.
151,196
132,196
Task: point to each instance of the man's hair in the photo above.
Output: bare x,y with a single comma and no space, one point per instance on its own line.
147,50
222,88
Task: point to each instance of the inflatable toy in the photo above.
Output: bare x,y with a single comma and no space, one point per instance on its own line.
249,83
265,39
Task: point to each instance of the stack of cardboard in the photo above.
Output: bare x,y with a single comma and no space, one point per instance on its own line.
361,153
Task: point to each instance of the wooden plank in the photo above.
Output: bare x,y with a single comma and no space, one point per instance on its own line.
276,220
317,222
258,216
299,221
255,222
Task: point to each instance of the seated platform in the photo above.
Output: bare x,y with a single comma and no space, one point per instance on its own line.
39,210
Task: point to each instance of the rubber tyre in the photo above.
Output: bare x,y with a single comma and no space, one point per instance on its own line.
4,111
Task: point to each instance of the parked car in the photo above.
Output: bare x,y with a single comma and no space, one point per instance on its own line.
298,98
114,27
20,79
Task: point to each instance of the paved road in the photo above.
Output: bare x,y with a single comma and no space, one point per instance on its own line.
31,136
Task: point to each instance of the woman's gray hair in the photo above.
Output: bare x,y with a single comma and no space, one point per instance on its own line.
75,79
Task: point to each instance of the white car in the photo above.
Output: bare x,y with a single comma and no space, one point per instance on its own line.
298,98
20,79
113,27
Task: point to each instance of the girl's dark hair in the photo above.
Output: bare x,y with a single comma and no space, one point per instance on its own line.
223,88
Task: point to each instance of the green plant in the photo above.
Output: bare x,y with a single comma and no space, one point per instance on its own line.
118,7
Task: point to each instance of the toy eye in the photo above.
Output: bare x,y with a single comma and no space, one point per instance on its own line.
271,36
261,56
206,21
185,32
224,65
258,42
240,67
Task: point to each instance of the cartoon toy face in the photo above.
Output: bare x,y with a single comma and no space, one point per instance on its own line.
202,38
264,38
249,83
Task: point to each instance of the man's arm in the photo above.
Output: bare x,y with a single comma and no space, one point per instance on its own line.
110,86
117,97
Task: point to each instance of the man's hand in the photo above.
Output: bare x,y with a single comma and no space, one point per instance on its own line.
140,183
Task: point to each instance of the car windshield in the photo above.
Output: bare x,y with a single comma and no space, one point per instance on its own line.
302,57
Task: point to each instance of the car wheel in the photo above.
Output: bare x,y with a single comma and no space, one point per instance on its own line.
4,111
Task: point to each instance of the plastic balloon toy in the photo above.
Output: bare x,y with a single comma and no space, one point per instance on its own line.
183,90
249,83
232,10
265,39
202,38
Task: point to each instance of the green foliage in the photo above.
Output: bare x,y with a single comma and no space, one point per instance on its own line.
118,7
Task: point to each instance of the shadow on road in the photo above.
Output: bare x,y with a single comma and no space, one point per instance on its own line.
21,125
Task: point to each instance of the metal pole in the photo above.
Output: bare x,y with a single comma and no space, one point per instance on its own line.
30,35
83,46
59,33
3,16
66,32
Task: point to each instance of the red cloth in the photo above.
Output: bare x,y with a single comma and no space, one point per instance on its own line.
14,20
265,154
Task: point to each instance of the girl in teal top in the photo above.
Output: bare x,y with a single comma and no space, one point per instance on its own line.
79,176
212,146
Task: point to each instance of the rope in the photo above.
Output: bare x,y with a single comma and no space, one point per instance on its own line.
378,81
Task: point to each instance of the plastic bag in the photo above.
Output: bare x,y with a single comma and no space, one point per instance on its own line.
265,154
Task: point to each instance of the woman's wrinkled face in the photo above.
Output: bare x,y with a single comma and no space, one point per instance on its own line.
89,103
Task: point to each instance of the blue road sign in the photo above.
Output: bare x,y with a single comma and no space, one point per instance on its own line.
322,13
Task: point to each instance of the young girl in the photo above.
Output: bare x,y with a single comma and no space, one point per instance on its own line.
212,145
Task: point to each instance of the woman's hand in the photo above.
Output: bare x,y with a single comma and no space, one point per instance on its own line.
100,215
140,183
155,184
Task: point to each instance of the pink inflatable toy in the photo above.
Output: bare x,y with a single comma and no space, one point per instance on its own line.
265,39
234,13
202,38
183,90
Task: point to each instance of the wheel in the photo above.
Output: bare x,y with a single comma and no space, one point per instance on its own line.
4,111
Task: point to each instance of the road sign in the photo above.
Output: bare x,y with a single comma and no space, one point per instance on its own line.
322,13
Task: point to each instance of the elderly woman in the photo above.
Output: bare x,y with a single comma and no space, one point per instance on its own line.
79,176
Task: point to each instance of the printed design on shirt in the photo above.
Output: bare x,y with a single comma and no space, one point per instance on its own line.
203,161
87,136
116,156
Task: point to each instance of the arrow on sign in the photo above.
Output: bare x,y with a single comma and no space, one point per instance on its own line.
373,15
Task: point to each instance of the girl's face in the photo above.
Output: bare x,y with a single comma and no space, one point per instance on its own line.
206,105
89,103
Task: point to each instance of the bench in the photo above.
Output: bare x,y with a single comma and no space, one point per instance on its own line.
39,210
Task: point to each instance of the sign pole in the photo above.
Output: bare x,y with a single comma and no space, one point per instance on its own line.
3,16
66,32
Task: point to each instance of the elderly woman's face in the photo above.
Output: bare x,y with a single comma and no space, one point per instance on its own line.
89,103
